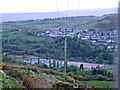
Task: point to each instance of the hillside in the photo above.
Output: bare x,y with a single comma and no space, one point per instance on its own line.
42,15
29,76
79,22
21,37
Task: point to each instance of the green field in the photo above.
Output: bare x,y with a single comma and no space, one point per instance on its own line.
102,84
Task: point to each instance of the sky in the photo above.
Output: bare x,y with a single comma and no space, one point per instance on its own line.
24,6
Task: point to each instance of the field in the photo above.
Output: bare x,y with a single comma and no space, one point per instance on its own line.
86,65
102,84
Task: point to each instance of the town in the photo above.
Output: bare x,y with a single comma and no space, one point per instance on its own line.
102,38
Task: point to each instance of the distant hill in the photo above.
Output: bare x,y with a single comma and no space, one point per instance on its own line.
41,15
104,22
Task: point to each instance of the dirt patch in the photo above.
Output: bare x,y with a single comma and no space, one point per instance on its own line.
86,65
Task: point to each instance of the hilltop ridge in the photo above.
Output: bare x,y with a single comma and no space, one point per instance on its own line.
42,15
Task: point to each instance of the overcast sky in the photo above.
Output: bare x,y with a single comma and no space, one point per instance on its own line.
17,6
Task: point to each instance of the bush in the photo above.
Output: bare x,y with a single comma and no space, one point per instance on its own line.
94,71
88,72
62,76
68,79
81,72
62,70
55,68
62,85
70,74
109,74
99,76
102,71
7,59
72,68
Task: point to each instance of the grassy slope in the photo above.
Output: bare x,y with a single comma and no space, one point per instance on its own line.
44,74
81,22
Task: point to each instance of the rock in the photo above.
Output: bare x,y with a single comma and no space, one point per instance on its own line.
51,76
58,77
2,72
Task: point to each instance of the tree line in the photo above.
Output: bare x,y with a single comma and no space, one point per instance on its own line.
53,48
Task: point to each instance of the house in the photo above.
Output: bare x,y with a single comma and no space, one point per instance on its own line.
105,44
39,34
84,38
20,30
47,32
93,41
87,36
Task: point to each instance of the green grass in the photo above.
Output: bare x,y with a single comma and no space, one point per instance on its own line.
106,21
113,44
7,81
46,26
89,26
103,84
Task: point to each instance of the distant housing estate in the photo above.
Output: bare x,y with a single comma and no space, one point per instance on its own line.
103,38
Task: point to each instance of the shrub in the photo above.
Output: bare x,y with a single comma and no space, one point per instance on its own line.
99,76
6,59
94,71
81,72
56,68
72,68
2,65
69,79
109,74
70,74
62,85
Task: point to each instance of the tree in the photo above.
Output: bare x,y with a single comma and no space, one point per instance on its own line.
110,58
50,64
91,68
94,71
45,66
100,58
58,64
81,67
14,57
7,59
24,56
90,37
102,34
98,67
54,63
